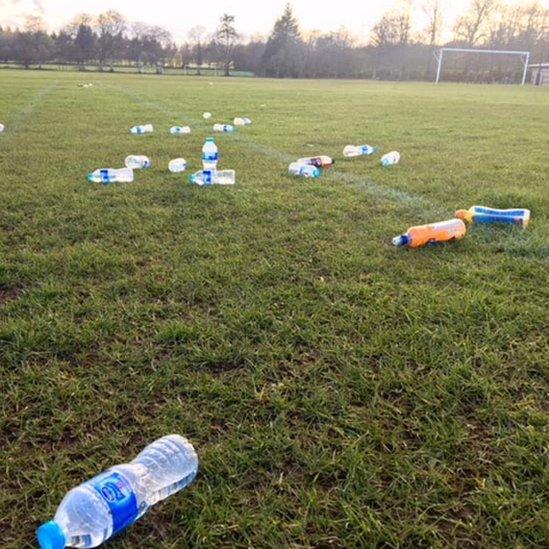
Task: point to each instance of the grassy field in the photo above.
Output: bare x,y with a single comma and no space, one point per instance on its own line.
339,391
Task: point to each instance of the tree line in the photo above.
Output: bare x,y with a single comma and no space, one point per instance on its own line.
393,50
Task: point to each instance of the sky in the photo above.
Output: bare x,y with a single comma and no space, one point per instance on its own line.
252,17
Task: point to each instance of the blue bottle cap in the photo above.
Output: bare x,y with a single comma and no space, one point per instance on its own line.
50,536
402,240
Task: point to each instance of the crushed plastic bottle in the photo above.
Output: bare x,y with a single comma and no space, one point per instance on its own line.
207,115
2,128
180,130
111,175
242,121
324,162
224,128
110,502
209,177
423,235
390,159
137,162
304,170
351,151
481,214
177,165
145,128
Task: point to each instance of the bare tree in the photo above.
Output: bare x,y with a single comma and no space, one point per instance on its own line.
110,28
433,10
197,37
227,37
472,27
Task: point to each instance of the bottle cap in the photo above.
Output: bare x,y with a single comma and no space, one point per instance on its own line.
90,177
50,536
401,240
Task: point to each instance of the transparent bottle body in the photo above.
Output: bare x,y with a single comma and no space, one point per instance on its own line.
161,469
179,130
137,161
177,165
351,151
111,175
304,170
390,159
219,177
210,155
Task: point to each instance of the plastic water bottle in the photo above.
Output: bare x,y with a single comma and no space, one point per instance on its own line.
146,128
324,162
390,159
210,154
304,170
224,128
111,175
351,151
137,162
207,115
179,130
205,177
423,235
177,165
2,127
103,506
242,121
481,214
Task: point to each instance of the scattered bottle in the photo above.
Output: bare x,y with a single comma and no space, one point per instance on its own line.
2,128
242,121
210,154
324,162
481,214
177,165
390,159
207,115
351,151
101,507
179,130
137,162
145,128
111,175
304,170
224,128
423,235
207,177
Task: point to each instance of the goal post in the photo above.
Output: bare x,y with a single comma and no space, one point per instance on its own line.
524,57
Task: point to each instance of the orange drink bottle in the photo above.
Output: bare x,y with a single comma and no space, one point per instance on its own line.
423,235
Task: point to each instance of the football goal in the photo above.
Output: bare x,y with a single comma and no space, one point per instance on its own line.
440,55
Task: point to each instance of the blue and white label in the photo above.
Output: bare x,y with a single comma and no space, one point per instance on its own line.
210,157
207,177
118,495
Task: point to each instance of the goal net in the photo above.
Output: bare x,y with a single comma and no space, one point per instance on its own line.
478,65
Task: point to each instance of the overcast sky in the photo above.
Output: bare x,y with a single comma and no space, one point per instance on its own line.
258,16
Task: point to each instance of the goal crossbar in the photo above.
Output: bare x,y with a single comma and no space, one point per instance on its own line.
524,55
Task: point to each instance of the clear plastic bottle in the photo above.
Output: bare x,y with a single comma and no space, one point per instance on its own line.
239,121
481,214
2,128
207,115
205,178
351,151
103,506
223,128
210,154
390,159
180,130
304,170
145,128
111,175
422,235
177,165
137,162
324,162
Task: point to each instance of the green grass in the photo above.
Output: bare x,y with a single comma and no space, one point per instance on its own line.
339,391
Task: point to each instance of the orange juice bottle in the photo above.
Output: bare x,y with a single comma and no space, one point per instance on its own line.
422,235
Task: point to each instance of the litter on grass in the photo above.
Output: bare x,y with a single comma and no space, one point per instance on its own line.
481,214
177,165
111,175
390,159
137,162
352,151
145,128
424,235
179,130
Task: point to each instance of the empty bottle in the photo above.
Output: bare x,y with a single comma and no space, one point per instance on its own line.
207,115
390,159
111,175
422,235
210,154
146,128
179,130
350,151
481,214
224,128
137,162
324,162
304,170
219,177
242,121
177,165
2,127
103,506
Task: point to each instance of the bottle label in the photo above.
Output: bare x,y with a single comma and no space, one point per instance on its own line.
207,177
210,157
118,495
